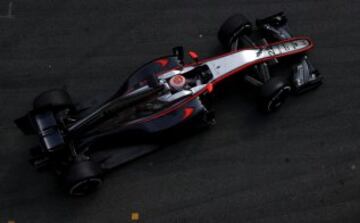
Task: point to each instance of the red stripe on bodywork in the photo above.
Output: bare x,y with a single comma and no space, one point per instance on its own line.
210,87
244,67
162,62
187,112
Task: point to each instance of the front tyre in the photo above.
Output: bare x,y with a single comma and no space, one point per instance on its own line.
232,28
273,94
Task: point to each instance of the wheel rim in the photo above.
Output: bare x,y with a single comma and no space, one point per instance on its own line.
85,186
278,99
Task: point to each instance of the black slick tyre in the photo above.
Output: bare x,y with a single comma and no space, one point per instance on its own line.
234,26
273,94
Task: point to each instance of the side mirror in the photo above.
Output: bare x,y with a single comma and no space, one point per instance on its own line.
194,56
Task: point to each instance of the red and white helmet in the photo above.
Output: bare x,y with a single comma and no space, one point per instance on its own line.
177,82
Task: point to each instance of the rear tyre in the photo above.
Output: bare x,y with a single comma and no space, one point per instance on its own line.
83,178
57,99
273,94
233,27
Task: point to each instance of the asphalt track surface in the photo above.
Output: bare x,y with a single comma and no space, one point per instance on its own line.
301,164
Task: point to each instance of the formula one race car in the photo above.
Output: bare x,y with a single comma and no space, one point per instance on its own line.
163,94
